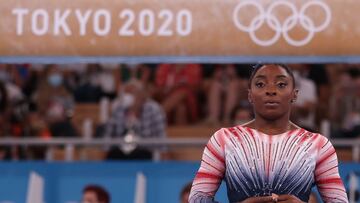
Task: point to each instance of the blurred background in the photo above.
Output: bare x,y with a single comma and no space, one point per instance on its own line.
101,121
114,101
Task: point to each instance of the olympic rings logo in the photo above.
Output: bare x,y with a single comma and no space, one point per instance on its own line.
282,29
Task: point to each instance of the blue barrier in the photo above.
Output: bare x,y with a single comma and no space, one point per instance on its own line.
64,182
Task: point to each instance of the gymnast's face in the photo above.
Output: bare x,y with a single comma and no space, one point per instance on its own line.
272,92
90,197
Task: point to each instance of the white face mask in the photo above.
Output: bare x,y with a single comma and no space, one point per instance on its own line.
127,99
55,79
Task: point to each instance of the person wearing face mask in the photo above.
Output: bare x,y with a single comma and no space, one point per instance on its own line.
135,117
55,79
53,103
50,87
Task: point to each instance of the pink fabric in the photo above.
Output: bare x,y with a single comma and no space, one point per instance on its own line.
256,164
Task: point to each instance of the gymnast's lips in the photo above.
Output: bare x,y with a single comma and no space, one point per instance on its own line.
271,104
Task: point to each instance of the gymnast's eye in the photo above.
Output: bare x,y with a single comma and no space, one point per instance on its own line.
260,84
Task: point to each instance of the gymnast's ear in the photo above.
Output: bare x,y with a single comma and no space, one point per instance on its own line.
295,95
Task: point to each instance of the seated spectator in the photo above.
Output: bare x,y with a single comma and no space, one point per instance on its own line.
185,192
22,77
12,113
3,107
136,116
345,104
12,124
177,87
223,94
11,80
142,72
303,111
88,89
55,103
241,115
107,82
95,194
319,74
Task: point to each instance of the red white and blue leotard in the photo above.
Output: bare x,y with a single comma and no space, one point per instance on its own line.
256,164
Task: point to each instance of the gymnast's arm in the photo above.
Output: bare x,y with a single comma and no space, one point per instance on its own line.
211,171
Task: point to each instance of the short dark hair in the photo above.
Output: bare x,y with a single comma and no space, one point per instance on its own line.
101,193
257,67
185,189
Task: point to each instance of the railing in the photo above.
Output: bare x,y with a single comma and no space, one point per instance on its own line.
155,144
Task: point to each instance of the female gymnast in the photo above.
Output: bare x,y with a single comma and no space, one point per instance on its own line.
269,159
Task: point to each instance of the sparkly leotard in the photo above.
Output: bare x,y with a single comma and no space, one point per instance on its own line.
256,164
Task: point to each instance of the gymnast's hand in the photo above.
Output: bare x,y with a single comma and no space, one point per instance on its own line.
288,199
266,199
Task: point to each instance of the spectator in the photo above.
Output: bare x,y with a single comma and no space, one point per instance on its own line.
185,192
345,104
107,82
4,125
30,84
136,116
11,80
224,84
3,107
12,113
55,103
177,89
141,72
88,89
95,194
320,76
303,111
24,78
241,115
